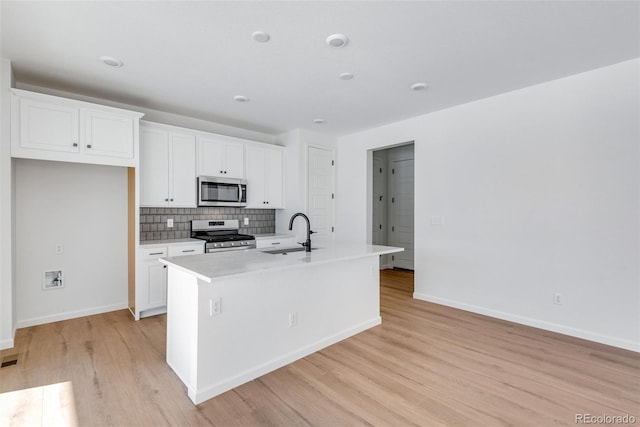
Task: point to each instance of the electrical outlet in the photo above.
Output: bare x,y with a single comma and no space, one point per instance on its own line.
169,222
437,220
246,221
59,248
293,319
215,306
558,299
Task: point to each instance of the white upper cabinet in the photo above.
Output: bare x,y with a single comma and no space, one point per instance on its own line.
52,128
154,167
47,126
182,170
265,177
220,157
107,134
167,167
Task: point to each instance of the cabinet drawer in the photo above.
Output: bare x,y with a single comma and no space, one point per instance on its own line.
275,242
153,253
190,249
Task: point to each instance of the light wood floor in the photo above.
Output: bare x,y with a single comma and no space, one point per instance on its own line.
425,365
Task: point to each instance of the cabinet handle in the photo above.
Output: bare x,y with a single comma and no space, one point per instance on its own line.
190,250
164,266
275,243
171,200
75,144
156,253
166,200
221,172
88,145
225,172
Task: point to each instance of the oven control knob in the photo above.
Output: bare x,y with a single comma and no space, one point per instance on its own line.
232,244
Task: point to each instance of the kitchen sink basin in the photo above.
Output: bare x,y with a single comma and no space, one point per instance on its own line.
283,251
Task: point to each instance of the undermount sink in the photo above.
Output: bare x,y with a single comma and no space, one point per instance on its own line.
283,251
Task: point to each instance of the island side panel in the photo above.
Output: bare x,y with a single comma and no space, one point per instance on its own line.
182,326
252,334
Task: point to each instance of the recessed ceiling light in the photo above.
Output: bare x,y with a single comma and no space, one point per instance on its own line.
318,121
419,86
241,98
346,76
111,61
261,36
337,40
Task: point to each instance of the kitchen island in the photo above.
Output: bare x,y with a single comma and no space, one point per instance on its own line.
233,316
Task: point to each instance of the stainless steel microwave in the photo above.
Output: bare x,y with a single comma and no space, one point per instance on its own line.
213,191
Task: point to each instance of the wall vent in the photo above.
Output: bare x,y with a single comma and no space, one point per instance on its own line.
9,361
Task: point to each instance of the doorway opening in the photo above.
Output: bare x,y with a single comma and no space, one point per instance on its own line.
392,207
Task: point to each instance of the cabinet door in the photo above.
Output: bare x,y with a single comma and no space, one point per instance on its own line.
256,197
157,285
220,158
186,249
107,134
154,167
233,156
210,157
48,126
274,179
182,171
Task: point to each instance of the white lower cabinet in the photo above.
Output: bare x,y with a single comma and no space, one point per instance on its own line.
275,242
151,276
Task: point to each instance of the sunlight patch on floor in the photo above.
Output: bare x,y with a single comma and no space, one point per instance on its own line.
49,405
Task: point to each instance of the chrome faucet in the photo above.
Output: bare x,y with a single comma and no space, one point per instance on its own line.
307,244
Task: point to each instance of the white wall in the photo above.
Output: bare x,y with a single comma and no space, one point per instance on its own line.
7,194
84,208
539,191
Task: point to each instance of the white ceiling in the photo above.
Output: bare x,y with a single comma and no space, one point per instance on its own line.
191,58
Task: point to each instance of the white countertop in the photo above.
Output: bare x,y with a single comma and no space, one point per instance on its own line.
212,266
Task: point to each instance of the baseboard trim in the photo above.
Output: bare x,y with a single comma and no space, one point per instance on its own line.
536,323
70,315
8,343
206,393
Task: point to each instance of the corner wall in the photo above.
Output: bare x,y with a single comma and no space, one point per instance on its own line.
540,194
7,197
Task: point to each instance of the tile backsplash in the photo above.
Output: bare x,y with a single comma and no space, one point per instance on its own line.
153,221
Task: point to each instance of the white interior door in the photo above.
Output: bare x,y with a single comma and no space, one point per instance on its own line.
401,212
321,192
378,226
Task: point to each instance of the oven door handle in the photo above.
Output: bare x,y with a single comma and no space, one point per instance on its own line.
237,248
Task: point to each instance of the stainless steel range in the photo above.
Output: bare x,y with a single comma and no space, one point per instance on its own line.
221,235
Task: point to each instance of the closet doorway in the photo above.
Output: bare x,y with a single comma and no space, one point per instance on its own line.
393,204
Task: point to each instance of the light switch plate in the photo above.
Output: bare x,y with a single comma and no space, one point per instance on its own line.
246,221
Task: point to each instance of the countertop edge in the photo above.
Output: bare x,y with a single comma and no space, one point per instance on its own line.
167,262
171,261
